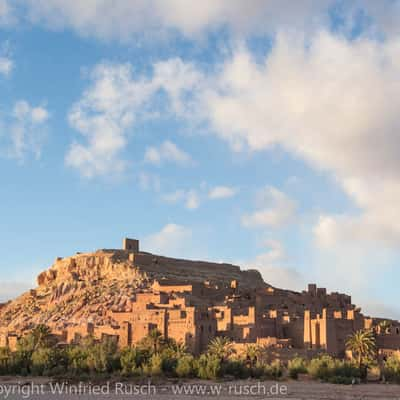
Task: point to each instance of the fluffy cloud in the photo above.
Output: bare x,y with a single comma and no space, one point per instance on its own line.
149,181
190,198
275,210
6,15
6,62
125,18
325,101
26,127
221,192
167,152
170,240
111,105
103,115
6,66
272,264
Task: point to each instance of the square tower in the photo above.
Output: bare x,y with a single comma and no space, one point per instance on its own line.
130,245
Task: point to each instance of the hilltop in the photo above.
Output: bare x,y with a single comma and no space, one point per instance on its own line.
125,294
86,286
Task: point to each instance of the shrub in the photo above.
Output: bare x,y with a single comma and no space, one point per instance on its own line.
392,369
342,380
209,366
273,370
130,361
185,367
297,366
89,356
77,360
258,371
322,367
44,360
5,360
155,365
346,369
328,369
235,368
169,361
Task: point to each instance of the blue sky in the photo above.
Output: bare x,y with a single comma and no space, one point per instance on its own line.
263,133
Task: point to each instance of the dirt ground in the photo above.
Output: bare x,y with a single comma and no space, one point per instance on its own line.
23,388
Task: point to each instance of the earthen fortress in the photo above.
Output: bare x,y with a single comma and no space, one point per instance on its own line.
124,294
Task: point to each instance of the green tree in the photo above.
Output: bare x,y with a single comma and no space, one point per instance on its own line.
185,366
132,359
362,346
252,354
154,341
209,366
296,366
384,326
5,359
222,348
41,336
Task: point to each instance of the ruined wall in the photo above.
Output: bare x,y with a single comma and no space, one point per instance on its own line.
388,341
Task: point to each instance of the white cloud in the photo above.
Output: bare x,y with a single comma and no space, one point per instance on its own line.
149,181
6,66
272,264
275,210
170,240
6,62
167,152
6,14
190,198
324,100
125,18
158,19
109,108
26,128
103,115
222,192
174,197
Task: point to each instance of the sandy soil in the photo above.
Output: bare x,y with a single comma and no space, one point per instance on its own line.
40,389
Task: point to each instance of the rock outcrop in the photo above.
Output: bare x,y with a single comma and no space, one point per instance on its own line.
86,286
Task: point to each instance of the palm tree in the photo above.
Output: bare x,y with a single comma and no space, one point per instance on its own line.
179,349
221,347
362,346
252,353
155,340
384,326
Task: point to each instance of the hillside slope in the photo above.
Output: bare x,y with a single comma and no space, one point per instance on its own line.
85,286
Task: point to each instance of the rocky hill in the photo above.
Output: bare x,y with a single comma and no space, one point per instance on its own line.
85,286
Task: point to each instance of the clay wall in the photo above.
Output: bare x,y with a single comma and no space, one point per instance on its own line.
3,339
74,333
388,341
12,342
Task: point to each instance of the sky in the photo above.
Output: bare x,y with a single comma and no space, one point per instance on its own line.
263,133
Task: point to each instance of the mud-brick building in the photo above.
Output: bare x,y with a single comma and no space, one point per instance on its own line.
126,293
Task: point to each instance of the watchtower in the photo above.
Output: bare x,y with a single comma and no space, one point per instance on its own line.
130,245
